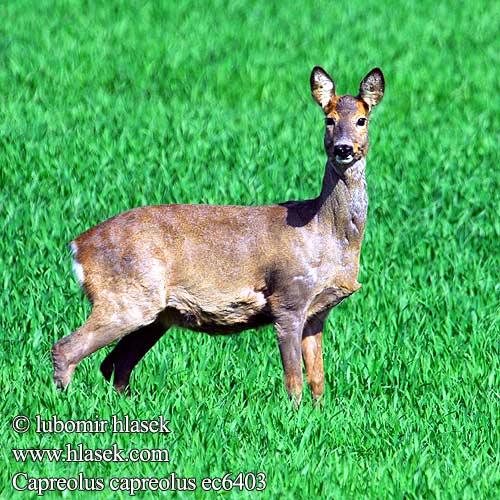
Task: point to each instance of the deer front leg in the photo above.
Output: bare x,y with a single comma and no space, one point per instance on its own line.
312,354
289,332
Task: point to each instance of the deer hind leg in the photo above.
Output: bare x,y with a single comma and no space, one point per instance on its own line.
289,332
99,331
128,352
312,354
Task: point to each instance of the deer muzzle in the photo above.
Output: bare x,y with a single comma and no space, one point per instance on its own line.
343,153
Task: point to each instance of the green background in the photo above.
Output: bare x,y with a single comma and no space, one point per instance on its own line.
105,106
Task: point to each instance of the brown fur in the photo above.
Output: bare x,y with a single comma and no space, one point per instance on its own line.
224,269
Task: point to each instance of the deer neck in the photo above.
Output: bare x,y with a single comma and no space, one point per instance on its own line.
343,203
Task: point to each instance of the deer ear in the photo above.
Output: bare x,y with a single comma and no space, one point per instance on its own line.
322,86
372,87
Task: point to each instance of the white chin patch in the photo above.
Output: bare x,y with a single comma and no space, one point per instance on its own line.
338,159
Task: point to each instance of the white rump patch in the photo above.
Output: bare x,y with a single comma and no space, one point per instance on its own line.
77,267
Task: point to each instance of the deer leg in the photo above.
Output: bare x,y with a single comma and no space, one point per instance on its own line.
97,332
289,333
128,352
313,355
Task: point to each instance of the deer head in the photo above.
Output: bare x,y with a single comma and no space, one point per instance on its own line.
346,116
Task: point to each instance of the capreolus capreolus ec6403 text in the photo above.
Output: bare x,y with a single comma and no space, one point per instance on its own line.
225,269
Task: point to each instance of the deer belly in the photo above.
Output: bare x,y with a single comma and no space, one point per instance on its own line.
213,312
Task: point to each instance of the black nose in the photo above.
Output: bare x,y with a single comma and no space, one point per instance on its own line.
343,150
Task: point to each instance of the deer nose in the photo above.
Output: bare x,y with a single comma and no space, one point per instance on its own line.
343,150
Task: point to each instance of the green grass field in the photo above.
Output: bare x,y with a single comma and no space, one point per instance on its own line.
105,106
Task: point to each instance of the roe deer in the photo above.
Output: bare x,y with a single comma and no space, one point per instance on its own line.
225,269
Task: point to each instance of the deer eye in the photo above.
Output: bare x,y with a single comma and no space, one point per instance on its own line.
361,122
329,121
